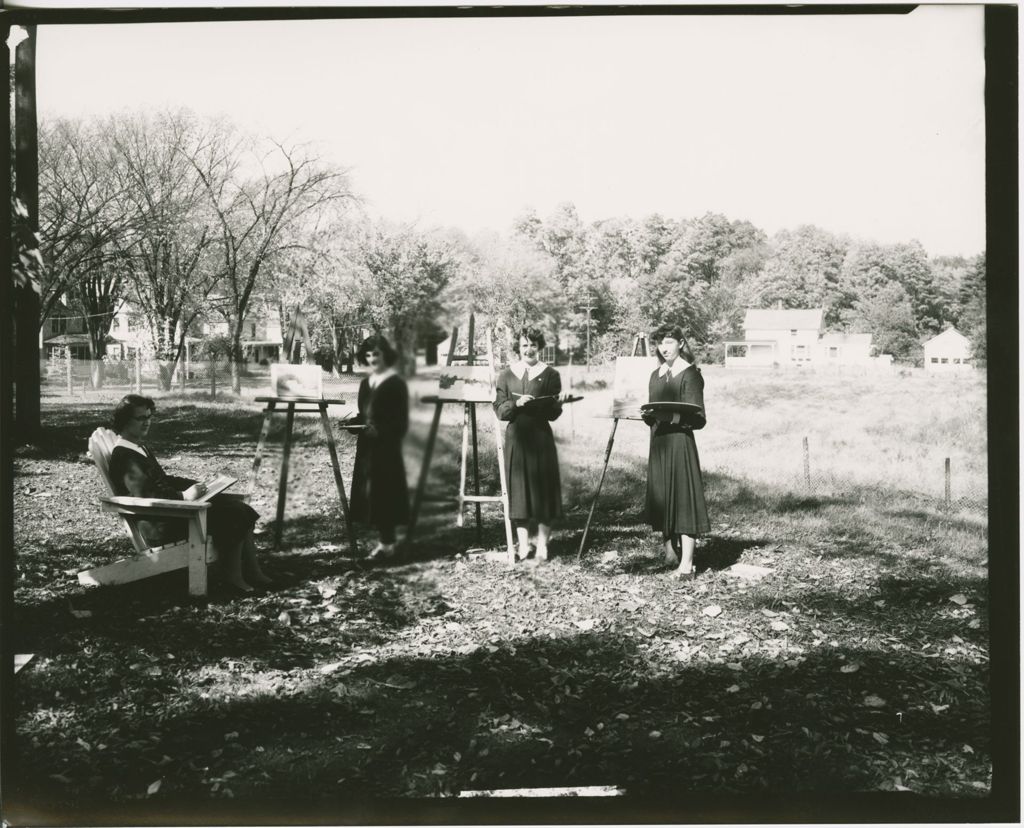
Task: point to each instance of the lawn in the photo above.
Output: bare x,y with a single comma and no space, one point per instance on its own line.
859,663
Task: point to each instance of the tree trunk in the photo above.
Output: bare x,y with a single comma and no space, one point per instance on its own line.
26,173
165,374
235,359
97,350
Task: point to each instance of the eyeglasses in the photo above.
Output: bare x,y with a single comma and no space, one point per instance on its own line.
144,417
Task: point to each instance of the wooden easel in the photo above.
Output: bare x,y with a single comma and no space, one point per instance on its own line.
469,436
298,332
290,409
639,344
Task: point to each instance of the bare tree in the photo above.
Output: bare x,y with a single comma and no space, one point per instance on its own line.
171,254
267,198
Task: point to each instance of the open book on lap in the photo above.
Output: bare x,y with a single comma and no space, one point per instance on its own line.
216,485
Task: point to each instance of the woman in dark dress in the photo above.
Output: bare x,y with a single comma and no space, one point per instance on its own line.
528,396
135,471
380,493
675,489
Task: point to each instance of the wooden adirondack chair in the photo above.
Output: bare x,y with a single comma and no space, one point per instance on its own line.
195,553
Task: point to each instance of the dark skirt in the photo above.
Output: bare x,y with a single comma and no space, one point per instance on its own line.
228,521
380,493
675,488
531,463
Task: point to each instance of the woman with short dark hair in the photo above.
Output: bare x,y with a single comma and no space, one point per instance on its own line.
135,471
675,488
529,396
380,492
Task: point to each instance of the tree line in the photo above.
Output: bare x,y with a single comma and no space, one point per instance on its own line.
192,218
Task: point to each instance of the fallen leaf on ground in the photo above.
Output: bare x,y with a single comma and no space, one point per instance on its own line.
713,611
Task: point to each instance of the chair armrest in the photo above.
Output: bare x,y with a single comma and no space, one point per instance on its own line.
152,506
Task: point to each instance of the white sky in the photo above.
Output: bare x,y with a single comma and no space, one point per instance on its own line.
869,125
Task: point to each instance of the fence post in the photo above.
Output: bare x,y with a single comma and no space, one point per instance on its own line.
138,371
948,487
807,464
67,370
213,378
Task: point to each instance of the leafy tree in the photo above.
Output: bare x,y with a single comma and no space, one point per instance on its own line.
869,267
701,282
972,300
802,271
887,313
407,271
507,281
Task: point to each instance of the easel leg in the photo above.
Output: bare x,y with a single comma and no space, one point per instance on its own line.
428,452
600,483
421,486
476,471
460,519
282,486
332,447
264,433
504,490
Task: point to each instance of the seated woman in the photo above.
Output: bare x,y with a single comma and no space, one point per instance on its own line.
380,493
529,396
135,471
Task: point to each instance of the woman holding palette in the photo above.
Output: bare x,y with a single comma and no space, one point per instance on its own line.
675,489
528,396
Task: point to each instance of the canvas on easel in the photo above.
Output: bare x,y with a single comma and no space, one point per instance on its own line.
632,376
630,385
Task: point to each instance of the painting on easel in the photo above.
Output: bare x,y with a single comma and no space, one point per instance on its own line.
630,385
467,383
296,380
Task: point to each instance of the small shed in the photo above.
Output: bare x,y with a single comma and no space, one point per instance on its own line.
948,352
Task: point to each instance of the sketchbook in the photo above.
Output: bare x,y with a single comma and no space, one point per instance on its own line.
216,485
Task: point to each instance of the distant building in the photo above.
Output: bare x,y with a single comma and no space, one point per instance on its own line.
948,352
64,328
262,338
796,337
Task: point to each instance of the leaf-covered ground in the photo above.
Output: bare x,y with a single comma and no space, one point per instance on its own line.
859,663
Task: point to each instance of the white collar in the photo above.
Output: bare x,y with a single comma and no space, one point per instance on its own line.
532,371
377,379
675,370
124,441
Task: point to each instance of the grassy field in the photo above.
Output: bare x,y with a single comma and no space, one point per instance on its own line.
858,664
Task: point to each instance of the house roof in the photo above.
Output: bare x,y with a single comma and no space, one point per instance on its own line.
950,336
846,339
74,339
768,319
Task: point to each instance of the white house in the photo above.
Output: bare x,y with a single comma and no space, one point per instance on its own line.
783,336
795,337
949,351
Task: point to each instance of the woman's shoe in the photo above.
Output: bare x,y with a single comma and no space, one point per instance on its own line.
685,576
542,553
522,553
382,552
236,591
